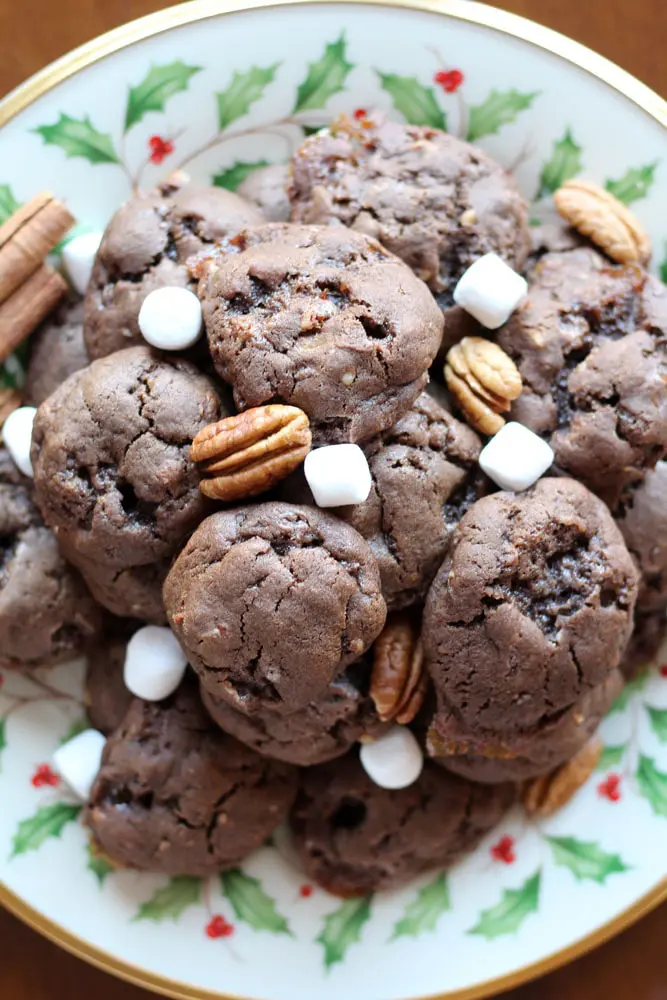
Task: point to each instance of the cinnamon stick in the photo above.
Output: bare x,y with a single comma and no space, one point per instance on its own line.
28,306
27,237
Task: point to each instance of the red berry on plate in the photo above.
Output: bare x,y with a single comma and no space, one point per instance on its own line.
504,850
610,788
44,776
450,80
218,927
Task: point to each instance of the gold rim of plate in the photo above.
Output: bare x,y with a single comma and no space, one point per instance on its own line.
198,10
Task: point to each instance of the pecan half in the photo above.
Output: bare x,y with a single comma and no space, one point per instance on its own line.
544,796
605,220
483,380
398,679
249,453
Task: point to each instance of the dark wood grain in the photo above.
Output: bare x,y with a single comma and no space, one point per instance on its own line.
631,32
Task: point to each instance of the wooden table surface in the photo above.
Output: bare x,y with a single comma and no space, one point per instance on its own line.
631,32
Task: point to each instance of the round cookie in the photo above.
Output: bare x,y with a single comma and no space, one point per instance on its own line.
145,246
320,318
267,188
271,602
647,638
433,200
355,838
642,518
531,609
176,795
551,236
106,698
56,350
590,342
111,453
47,615
325,729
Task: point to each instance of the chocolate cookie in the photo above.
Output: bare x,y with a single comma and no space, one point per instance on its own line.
590,342
271,602
267,188
355,838
111,457
47,615
435,201
321,318
56,350
648,635
129,592
553,236
176,795
642,518
106,698
531,609
343,715
145,247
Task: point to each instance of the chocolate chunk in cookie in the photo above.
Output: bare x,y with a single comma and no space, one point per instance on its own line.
56,351
271,602
320,318
267,188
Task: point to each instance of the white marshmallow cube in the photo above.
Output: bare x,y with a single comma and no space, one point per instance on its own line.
154,663
171,318
490,291
338,475
79,760
17,435
393,761
515,457
79,257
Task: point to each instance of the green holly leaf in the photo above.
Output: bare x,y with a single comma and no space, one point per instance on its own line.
585,860
637,683
653,785
663,267
79,137
48,821
500,108
8,203
342,928
422,913
244,90
3,735
610,757
634,184
658,717
309,130
171,900
236,174
325,77
251,904
98,865
564,164
507,916
78,726
160,83
416,103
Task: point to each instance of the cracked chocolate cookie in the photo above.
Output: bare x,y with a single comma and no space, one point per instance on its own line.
531,609
145,247
271,602
106,698
552,236
47,615
642,518
176,795
127,592
267,188
56,351
354,838
343,715
647,637
320,318
590,342
433,200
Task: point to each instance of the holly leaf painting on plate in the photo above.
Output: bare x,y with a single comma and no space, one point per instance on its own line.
501,107
636,183
507,916
8,203
159,84
565,163
251,904
231,177
416,103
244,90
610,757
663,267
98,865
423,913
658,717
342,928
585,860
169,902
325,77
79,137
653,785
48,821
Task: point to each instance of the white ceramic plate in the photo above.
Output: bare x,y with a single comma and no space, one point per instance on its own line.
217,92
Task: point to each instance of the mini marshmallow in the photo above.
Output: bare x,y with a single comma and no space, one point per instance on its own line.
17,435
395,760
154,663
171,318
79,760
78,259
490,291
515,457
338,475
